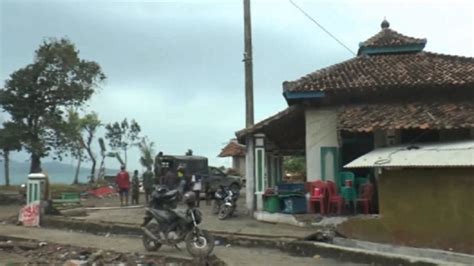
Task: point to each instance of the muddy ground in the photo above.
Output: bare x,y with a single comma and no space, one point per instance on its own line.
32,252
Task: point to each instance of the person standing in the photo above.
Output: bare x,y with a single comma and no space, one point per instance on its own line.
148,182
170,179
182,183
208,193
135,188
197,186
123,183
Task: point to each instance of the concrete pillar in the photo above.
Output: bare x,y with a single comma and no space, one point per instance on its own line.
249,175
274,171
277,170
321,139
280,169
260,169
270,171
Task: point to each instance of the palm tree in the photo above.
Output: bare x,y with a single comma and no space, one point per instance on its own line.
147,151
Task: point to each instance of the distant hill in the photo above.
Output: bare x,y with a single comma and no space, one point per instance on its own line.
58,172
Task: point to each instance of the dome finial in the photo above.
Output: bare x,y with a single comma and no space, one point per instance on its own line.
385,24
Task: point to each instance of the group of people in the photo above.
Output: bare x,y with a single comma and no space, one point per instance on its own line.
172,180
125,186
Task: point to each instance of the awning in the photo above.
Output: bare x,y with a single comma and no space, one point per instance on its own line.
452,154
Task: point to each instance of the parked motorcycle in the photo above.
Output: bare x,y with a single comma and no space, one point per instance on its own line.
164,225
219,196
226,203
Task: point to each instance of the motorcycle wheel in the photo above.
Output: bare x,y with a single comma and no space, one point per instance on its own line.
215,207
199,243
149,243
224,212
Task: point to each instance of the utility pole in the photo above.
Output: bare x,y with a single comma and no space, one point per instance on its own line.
249,155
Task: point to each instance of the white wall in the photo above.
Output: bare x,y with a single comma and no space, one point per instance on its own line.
238,163
321,131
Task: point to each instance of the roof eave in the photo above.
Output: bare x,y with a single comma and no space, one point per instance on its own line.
291,96
371,50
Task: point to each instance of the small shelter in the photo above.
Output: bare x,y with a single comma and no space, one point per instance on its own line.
237,152
425,194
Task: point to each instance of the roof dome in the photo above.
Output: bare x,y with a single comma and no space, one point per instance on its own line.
388,41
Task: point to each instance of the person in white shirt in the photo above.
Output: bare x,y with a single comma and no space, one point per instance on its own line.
197,186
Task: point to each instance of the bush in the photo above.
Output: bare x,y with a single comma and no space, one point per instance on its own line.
294,165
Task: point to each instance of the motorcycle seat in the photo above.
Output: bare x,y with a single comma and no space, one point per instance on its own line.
161,214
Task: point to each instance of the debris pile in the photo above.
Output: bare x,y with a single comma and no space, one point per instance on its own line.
36,253
32,252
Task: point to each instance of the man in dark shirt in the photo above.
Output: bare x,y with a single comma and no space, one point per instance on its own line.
170,179
148,182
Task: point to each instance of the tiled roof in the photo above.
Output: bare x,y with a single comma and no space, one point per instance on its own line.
268,121
414,115
285,129
389,71
388,37
388,60
233,149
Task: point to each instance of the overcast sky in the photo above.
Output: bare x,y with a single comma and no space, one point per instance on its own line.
176,66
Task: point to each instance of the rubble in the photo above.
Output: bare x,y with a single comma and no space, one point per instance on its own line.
38,252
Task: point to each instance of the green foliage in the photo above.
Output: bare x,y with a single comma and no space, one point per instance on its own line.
123,135
9,139
147,151
70,134
37,95
294,164
77,134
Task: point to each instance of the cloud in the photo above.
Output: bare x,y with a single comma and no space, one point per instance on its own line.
176,66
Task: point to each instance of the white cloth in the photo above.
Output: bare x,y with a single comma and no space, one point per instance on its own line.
197,183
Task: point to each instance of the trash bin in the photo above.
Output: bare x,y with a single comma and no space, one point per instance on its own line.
271,203
294,204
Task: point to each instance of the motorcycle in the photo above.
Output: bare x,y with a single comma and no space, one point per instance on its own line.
219,196
164,225
227,204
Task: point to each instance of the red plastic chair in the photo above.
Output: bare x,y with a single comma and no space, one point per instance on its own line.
334,199
365,197
318,195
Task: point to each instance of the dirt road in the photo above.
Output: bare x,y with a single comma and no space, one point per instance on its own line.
230,255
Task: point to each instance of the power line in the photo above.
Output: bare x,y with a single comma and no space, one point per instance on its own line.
321,27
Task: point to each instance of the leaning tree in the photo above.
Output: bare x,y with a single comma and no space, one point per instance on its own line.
37,95
76,137
123,135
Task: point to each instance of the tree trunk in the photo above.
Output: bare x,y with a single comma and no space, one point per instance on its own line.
101,173
93,169
35,166
94,162
6,157
78,169
125,157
